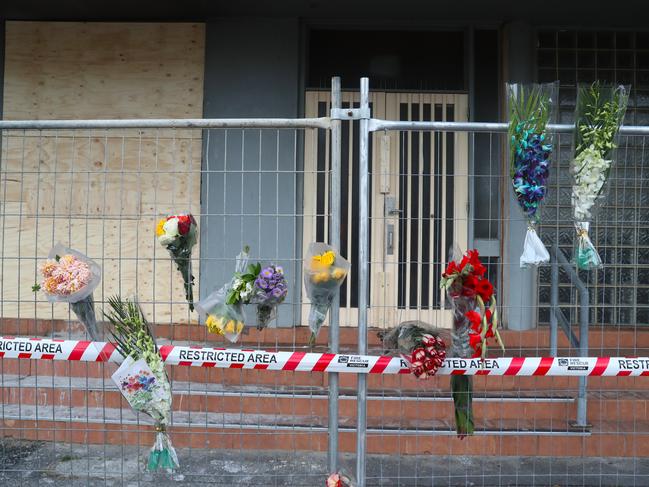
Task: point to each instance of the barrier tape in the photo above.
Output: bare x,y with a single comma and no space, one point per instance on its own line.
85,351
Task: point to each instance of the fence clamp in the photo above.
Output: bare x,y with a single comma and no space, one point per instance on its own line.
350,113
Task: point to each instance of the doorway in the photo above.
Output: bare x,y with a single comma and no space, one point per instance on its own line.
418,203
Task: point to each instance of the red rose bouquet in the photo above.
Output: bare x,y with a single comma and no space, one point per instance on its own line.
475,320
419,344
178,234
339,480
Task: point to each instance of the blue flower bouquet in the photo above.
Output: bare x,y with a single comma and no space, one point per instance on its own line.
531,108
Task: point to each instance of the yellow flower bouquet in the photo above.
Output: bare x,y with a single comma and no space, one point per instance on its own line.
222,314
324,272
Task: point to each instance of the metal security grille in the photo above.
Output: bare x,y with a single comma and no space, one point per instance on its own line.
418,199
619,292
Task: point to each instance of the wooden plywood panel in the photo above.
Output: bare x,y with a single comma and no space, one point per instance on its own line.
103,70
99,191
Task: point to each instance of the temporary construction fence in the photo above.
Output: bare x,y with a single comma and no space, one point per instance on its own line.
393,195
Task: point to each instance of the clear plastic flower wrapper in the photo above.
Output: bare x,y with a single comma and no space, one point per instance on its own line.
178,234
69,276
475,321
421,345
222,311
324,272
270,290
599,113
142,378
340,479
531,108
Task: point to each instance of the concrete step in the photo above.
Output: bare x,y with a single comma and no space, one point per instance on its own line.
236,431
312,401
247,399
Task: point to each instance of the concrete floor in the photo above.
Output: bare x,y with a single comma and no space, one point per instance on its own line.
37,463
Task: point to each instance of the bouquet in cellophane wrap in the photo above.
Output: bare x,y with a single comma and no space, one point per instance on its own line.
475,321
222,311
419,344
71,277
178,234
531,108
270,290
324,272
599,113
142,378
339,479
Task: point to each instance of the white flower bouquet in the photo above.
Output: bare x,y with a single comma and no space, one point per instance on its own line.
599,113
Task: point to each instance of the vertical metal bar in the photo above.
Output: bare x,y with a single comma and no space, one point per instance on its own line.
584,316
363,279
334,239
554,300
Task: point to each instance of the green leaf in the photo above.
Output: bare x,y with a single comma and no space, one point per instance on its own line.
36,287
232,297
57,258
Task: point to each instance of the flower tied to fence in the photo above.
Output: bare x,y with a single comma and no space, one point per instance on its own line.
466,281
178,234
599,113
475,321
141,378
531,108
324,272
71,277
419,344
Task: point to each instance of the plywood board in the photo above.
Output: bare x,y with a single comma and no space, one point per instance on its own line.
99,191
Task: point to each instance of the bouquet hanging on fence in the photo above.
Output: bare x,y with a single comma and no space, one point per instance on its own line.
142,378
339,479
324,272
178,234
599,113
531,108
222,311
475,321
419,344
270,290
71,277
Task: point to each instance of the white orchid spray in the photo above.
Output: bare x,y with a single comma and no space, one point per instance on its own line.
600,110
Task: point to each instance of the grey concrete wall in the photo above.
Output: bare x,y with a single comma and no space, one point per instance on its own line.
252,69
2,64
520,299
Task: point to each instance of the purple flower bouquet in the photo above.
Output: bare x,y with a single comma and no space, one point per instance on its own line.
531,108
270,290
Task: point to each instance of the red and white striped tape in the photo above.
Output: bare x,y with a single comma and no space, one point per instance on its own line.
79,350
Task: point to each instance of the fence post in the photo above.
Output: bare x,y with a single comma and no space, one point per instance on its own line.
584,318
334,238
363,278
554,300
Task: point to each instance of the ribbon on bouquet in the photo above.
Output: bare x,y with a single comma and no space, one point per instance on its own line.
85,351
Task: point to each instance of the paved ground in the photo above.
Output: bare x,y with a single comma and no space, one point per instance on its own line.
36,463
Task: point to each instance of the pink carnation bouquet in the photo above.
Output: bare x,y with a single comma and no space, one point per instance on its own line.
69,276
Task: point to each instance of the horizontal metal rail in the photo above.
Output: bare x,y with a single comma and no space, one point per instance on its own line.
162,123
375,124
